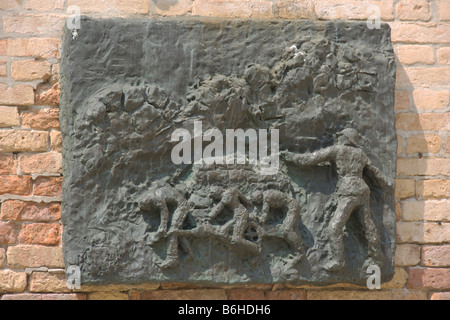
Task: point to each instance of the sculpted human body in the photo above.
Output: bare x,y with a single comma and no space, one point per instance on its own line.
352,191
162,198
287,229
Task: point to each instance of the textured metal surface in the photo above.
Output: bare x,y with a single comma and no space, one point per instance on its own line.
131,215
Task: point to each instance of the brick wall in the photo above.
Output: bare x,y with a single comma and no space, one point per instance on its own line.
30,145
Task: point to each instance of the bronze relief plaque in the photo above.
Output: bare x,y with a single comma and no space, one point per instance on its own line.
149,109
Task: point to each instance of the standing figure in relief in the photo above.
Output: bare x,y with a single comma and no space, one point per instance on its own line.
352,191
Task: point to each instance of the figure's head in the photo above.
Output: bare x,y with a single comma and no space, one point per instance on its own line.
348,137
216,192
257,198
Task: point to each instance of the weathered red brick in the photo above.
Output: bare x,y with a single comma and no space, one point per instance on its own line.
48,186
402,100
44,119
28,70
429,278
64,296
199,294
423,232
286,295
447,146
23,141
443,55
443,7
398,210
165,8
47,24
45,296
49,162
426,99
34,256
436,256
411,54
44,5
423,121
9,117
17,185
8,164
404,188
295,9
11,281
40,233
9,4
8,233
22,296
233,8
348,295
3,68
423,76
56,140
30,211
48,282
142,287
47,94
2,258
407,255
424,143
440,296
245,294
351,9
400,145
428,210
39,48
108,296
420,32
19,95
105,6
433,189
413,10
423,167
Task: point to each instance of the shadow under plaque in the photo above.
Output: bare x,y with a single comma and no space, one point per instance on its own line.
130,214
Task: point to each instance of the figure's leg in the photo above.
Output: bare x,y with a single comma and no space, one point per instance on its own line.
164,217
345,207
294,239
224,230
187,246
172,253
240,223
296,243
371,232
179,216
289,226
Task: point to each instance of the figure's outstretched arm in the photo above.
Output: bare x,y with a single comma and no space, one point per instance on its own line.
310,158
385,181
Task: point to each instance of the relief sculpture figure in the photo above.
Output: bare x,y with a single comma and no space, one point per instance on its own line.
352,191
234,200
162,198
287,229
